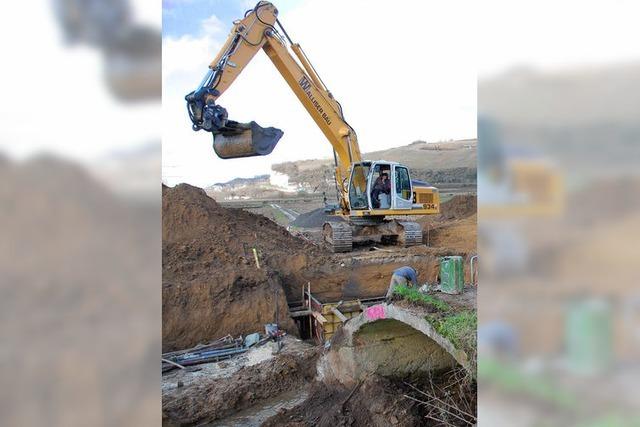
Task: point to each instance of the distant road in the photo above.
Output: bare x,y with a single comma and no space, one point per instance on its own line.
289,213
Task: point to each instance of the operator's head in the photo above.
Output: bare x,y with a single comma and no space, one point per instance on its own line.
384,175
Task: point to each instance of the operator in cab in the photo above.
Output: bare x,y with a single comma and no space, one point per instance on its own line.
405,276
382,185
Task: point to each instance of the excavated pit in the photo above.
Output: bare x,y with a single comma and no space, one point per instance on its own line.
228,271
213,285
388,366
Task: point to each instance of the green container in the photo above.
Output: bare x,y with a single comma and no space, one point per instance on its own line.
451,274
589,336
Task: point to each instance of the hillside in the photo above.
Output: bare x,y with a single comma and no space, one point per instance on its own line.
446,162
584,118
451,162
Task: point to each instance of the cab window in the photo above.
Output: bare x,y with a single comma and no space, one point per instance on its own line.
403,184
358,187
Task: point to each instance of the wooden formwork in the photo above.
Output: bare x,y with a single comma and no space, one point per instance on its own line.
326,318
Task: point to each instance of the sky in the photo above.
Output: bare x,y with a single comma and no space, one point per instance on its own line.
402,73
54,99
552,35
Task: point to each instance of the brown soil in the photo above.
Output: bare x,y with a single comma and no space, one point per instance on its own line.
459,206
216,398
379,401
367,274
459,235
221,237
200,311
376,402
456,228
211,283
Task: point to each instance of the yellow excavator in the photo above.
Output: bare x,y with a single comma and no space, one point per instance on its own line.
369,192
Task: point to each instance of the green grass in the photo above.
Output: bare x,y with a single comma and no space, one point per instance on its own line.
413,295
460,329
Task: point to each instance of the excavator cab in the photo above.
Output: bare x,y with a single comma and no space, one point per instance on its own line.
380,185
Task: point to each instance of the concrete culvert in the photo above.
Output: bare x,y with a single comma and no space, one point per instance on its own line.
392,348
389,341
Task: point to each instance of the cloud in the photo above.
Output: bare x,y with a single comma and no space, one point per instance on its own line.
76,126
212,26
190,54
186,55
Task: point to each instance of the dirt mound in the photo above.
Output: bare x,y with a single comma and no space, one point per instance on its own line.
314,219
211,283
459,206
228,235
458,235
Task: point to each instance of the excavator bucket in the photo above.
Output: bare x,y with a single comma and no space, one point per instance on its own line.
245,140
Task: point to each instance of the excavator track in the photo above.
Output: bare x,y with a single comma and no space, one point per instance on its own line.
411,234
338,236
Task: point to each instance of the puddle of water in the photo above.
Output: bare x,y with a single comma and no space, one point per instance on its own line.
257,414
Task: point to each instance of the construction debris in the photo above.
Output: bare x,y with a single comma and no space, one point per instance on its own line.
212,352
229,386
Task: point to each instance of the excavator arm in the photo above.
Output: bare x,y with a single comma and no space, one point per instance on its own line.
257,31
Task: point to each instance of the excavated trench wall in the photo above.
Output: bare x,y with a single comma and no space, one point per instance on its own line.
389,341
359,275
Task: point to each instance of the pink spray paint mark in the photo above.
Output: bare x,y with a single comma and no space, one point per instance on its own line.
375,312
